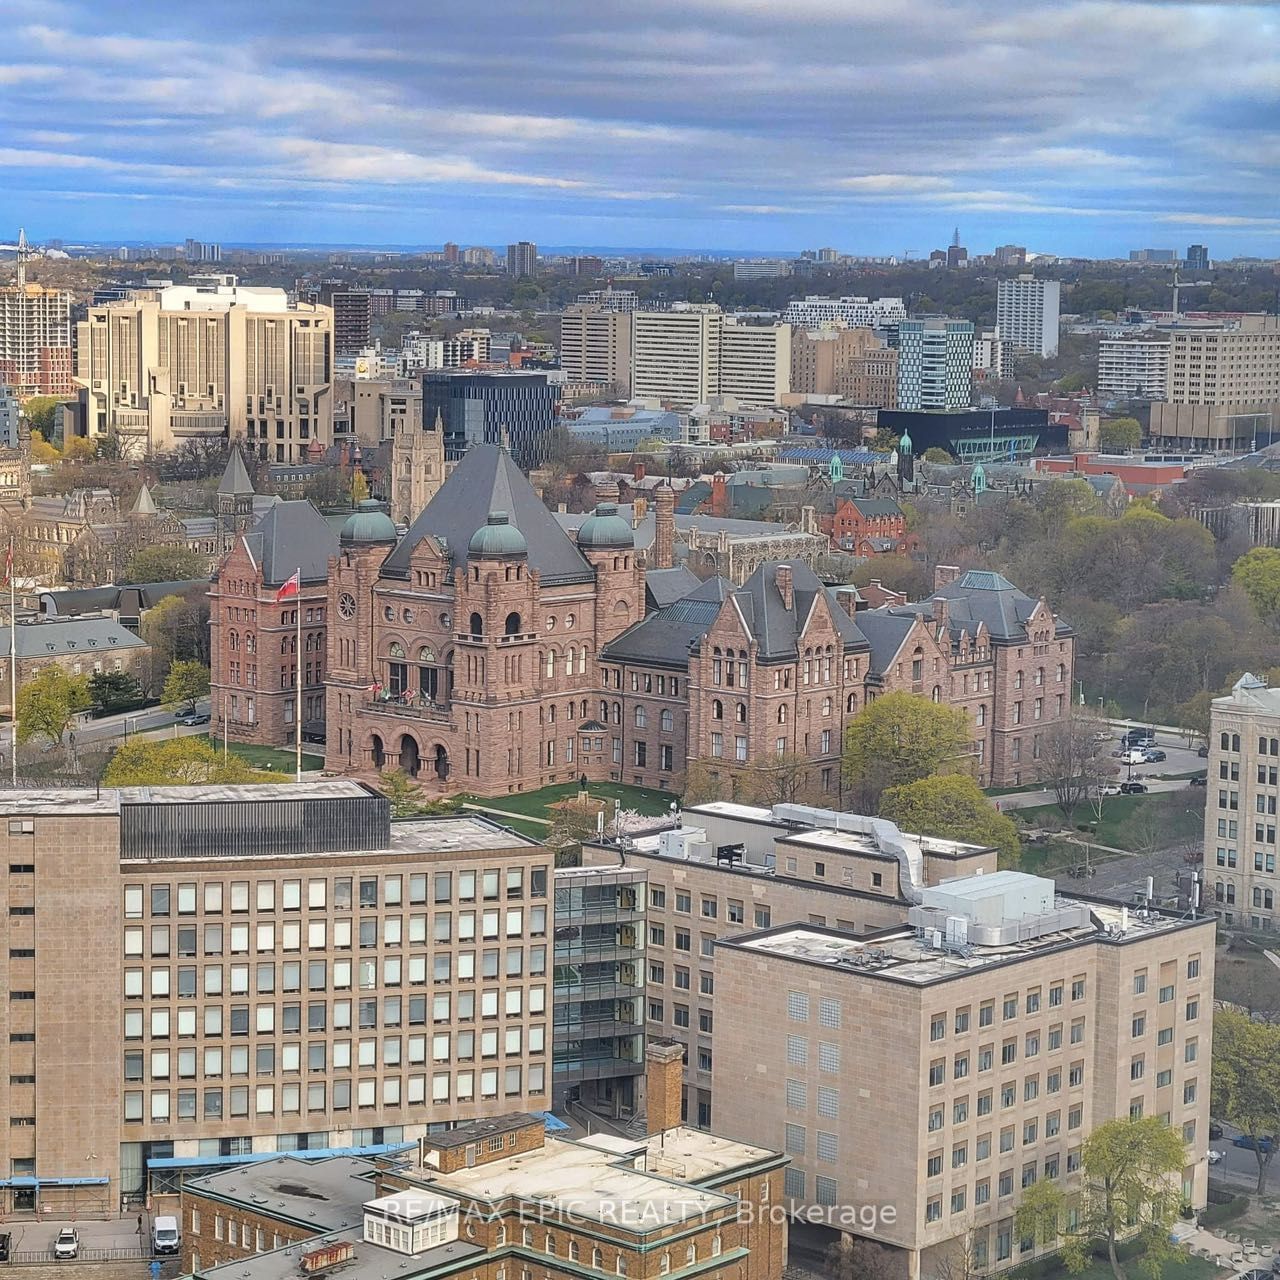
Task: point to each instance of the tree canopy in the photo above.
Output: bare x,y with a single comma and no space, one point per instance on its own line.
1130,1168
900,738
165,564
952,806
1116,435
48,703
186,684
172,762
1246,1079
1257,574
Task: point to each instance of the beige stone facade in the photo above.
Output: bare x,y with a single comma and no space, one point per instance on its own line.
258,969
919,1092
850,363
595,347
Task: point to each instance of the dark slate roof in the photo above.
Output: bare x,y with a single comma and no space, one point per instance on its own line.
235,479
292,535
665,586
885,630
66,604
55,636
487,480
666,637
690,499
773,626
982,596
870,507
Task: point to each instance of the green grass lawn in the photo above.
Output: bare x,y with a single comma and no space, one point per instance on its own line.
538,804
1183,1267
1138,823
276,758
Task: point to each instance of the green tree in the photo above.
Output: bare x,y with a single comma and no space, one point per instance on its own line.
114,691
79,449
172,762
178,629
900,738
935,454
42,450
1118,435
952,806
186,684
48,704
404,794
1246,1080
1131,1186
1257,574
41,412
359,487
165,564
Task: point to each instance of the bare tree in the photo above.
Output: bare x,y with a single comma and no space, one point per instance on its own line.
1073,759
851,1258
958,1259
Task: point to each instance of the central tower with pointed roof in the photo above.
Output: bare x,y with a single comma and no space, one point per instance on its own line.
235,494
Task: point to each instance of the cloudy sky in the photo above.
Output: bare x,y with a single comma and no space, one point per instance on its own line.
1074,126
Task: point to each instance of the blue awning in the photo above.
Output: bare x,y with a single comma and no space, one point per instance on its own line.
53,1182
324,1153
553,1123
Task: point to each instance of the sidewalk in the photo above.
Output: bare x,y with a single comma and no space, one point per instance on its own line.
1239,1258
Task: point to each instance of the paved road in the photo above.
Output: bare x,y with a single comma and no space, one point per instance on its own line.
1239,1166
150,721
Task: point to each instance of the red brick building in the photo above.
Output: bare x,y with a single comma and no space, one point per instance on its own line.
466,652
866,526
254,639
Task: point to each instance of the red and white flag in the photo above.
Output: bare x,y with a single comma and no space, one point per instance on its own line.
290,588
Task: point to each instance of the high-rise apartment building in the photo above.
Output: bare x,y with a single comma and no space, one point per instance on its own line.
761,269
200,251
755,362
988,354
35,335
1009,255
610,299
945,1065
1027,314
479,256
814,311
452,254
595,346
1241,882
522,258
259,968
209,361
675,355
935,363
352,320
1224,386
851,363
1133,368
1197,257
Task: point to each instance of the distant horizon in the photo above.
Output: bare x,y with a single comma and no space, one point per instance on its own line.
1081,128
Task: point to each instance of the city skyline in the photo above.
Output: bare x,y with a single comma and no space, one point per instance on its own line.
1087,128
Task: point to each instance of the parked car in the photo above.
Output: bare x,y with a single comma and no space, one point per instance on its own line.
1153,755
1134,756
193,718
1133,788
1139,738
1200,780
67,1245
1102,735
1203,753
4,1246
1214,1156
1215,1131
1263,1143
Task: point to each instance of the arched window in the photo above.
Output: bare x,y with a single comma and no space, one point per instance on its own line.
782,714
568,661
717,709
937,693
717,1245
667,722
551,663
1217,891
851,704
1225,742
617,713
826,706
377,751
396,650
740,713
980,714
512,625
582,660
426,654
597,1258
691,1255
477,625
233,641
664,1265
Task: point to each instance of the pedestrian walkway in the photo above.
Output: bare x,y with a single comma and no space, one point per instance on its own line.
506,813
1236,1255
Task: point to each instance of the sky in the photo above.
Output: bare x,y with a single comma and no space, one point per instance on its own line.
1085,127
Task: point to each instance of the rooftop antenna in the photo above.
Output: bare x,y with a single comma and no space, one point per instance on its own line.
24,252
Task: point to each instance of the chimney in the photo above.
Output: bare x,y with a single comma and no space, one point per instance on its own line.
663,1085
607,491
944,575
942,612
782,580
664,530
639,509
637,471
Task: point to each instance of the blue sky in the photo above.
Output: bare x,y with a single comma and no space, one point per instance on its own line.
876,126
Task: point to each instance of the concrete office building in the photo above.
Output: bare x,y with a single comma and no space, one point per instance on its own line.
850,363
209,360
496,1198
257,969
10,414
814,311
1197,257
1133,368
1027,314
595,346
1241,883
755,362
509,407
675,355
935,363
731,868
761,269
944,1065
375,409
1224,386
522,259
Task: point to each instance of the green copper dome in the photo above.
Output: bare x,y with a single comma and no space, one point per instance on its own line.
605,528
497,538
368,523
904,444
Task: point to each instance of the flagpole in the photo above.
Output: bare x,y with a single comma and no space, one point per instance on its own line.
297,685
13,670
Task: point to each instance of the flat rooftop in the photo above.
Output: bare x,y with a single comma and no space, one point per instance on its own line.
903,955
327,1195
474,1130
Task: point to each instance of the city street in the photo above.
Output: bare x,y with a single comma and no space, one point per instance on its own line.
149,721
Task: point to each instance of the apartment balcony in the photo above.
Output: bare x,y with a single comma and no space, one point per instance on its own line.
408,706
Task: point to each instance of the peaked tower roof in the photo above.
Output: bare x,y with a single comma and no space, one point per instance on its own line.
486,479
235,479
144,504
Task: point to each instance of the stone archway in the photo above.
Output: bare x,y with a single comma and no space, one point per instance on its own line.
410,756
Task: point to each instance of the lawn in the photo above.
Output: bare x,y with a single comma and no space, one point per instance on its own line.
537,804
276,758
1140,824
1183,1267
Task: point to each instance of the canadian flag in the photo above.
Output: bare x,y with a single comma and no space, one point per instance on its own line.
290,588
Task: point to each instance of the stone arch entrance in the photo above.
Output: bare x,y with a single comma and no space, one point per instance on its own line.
410,757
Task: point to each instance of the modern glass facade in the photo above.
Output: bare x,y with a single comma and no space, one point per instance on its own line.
598,1029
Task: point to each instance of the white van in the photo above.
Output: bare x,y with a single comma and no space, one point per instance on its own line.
164,1235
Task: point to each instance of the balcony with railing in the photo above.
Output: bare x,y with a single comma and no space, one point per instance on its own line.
408,705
